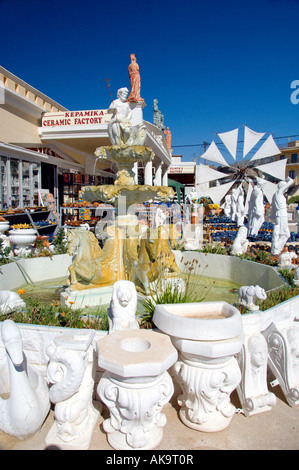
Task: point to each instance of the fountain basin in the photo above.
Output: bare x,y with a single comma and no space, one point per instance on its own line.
204,321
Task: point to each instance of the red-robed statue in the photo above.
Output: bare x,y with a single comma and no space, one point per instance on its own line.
135,80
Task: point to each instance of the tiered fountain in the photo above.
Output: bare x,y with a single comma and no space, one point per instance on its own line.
125,254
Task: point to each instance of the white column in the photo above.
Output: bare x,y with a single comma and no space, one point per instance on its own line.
148,173
158,174
165,175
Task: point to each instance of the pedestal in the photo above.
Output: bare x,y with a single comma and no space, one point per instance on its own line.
135,386
207,336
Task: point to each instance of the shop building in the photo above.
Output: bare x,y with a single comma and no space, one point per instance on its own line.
45,146
291,154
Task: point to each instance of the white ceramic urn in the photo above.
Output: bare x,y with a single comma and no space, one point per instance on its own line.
22,238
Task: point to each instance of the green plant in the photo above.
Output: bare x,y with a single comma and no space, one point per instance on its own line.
288,275
166,292
277,296
59,242
293,200
4,253
38,312
215,248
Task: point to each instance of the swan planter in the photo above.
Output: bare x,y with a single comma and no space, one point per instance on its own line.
22,414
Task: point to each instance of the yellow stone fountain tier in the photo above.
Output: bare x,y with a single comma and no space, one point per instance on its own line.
134,194
129,252
124,157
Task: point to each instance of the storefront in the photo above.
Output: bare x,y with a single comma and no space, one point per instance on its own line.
44,146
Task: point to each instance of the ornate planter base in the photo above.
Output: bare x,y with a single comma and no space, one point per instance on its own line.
135,408
206,386
135,386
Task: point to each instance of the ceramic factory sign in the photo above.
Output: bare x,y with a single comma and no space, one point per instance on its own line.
76,118
181,169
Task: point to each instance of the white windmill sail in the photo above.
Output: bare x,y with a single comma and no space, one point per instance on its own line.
251,138
230,140
268,149
216,193
276,169
205,174
213,154
269,190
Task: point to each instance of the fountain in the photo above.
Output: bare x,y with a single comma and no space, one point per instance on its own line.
129,253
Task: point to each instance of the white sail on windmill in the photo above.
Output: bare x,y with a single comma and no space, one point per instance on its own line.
247,170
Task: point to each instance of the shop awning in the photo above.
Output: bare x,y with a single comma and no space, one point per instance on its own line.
178,188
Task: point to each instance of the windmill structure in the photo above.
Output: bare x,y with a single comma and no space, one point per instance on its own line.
245,171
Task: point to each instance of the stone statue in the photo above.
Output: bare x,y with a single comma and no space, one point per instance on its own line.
286,257
135,80
93,264
253,391
281,232
234,199
168,138
240,208
256,210
240,243
123,305
158,117
10,301
119,127
227,209
249,294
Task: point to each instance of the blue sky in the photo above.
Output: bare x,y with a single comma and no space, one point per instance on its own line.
213,65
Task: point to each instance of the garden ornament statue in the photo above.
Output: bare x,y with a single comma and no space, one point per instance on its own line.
123,305
10,301
23,413
227,208
249,294
279,215
240,208
240,243
256,209
286,258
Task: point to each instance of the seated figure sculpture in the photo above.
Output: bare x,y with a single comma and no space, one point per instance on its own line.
240,243
119,127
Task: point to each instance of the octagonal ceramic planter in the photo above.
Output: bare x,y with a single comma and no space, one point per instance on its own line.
207,336
135,386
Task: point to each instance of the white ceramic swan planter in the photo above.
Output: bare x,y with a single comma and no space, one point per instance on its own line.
23,413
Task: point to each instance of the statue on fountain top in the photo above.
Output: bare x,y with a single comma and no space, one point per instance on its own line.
135,80
120,125
120,129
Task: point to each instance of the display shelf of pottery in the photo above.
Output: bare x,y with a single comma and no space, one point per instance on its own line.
23,237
